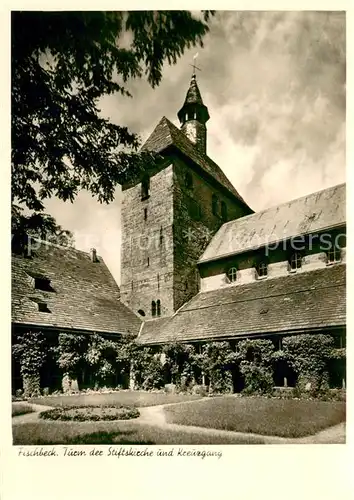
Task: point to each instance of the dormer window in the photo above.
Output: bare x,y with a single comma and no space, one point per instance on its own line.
41,282
232,274
333,255
42,306
262,270
145,188
295,262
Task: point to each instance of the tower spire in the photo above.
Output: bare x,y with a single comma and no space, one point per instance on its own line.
193,115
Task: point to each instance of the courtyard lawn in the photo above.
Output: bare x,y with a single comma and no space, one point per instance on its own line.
126,398
45,433
269,417
21,409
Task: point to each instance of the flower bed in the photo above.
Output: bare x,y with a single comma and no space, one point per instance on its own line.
89,413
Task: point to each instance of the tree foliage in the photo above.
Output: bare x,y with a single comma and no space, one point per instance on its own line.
62,63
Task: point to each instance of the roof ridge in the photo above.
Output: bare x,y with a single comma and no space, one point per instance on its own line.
63,247
283,204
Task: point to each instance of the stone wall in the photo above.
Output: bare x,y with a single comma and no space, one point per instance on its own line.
147,245
214,274
194,225
164,235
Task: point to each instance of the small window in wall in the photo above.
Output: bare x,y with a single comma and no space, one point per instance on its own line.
223,211
158,307
145,213
145,188
262,270
295,261
214,204
161,236
188,180
141,312
153,308
194,209
148,261
232,274
333,255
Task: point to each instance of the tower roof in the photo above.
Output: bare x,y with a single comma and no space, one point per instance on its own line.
193,94
194,99
166,135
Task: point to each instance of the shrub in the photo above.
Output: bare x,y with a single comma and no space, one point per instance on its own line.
309,356
256,365
91,413
217,360
31,350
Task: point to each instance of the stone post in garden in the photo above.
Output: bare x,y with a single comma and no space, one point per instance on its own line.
69,384
132,377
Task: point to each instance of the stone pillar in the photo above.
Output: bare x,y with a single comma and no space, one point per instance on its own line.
132,377
69,384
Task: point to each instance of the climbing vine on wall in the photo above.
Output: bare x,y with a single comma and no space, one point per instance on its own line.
309,356
31,350
256,365
70,352
217,361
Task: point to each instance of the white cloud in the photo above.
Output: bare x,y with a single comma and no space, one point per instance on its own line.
274,83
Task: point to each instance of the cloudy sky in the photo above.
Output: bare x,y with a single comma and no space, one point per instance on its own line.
274,83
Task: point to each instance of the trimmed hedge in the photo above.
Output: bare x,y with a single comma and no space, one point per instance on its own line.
90,413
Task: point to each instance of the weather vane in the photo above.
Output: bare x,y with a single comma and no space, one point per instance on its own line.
194,65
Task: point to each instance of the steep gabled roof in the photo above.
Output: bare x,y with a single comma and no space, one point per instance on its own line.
166,134
288,304
84,295
309,214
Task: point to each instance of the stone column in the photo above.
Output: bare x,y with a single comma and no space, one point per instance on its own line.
69,384
132,377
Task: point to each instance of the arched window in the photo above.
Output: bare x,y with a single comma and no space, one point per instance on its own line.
188,180
145,187
232,274
262,269
333,254
223,211
153,308
141,312
295,261
214,204
158,308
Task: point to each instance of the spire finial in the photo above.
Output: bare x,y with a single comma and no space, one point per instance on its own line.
194,65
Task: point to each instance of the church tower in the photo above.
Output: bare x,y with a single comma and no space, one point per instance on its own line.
170,214
193,116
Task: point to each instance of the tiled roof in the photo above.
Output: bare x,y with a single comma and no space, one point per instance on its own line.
309,214
166,134
193,94
304,301
85,295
